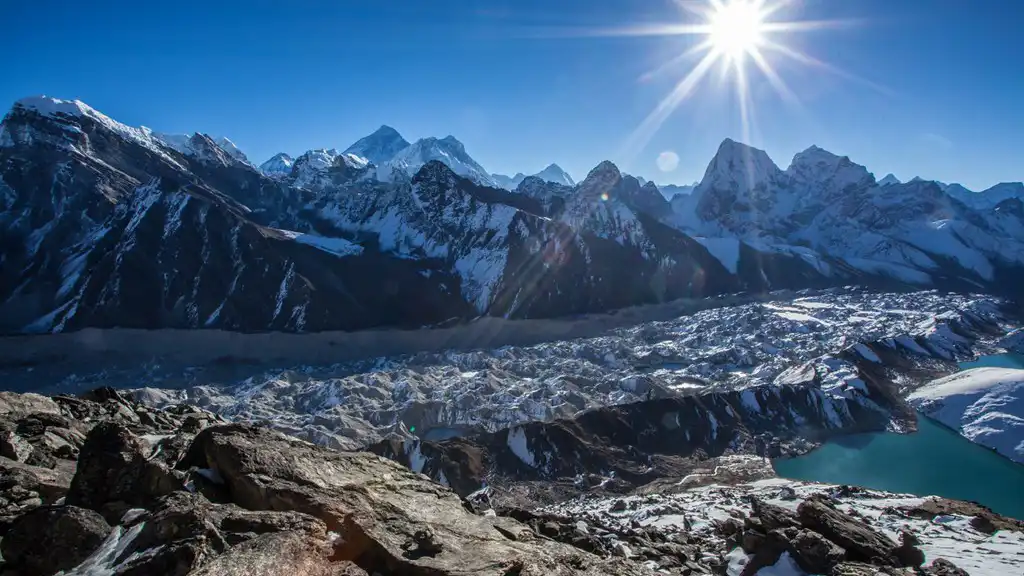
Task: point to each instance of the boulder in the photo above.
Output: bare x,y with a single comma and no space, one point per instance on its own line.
14,447
389,519
281,554
907,553
49,539
771,549
862,542
772,517
943,567
14,406
49,484
114,475
814,553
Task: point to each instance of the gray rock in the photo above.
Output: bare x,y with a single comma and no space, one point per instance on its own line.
862,542
814,553
943,567
391,520
47,540
114,475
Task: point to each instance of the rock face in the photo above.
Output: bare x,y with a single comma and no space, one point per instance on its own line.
98,434
389,520
917,232
244,499
637,443
114,474
52,538
108,225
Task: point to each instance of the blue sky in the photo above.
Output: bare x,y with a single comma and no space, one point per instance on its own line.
931,87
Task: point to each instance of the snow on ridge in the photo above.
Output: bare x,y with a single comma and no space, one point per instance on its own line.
336,246
56,108
986,405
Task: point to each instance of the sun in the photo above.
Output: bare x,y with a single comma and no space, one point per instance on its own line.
740,38
735,29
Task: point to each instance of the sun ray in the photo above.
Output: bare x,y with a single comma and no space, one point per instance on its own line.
639,138
773,77
674,61
813,62
736,34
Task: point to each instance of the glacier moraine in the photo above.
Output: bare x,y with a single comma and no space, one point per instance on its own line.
437,395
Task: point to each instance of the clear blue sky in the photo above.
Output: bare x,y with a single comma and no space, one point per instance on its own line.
289,76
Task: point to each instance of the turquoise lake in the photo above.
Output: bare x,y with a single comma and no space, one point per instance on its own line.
1009,360
933,461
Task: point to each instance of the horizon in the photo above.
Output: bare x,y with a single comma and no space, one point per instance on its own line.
577,178
530,85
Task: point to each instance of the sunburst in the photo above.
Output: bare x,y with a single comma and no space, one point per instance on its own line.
734,35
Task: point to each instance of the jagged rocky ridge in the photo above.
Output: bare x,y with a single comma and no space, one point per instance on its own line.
920,232
178,492
108,225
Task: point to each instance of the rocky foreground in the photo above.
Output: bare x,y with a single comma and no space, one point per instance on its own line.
100,484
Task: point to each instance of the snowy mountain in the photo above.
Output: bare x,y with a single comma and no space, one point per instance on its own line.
986,405
447,150
826,206
889,179
110,225
508,182
670,191
379,147
185,144
278,166
988,198
553,174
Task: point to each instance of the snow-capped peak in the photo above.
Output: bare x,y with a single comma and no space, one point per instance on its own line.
379,147
48,106
189,146
71,110
278,165
738,165
230,147
889,179
447,150
986,198
820,170
554,173
310,168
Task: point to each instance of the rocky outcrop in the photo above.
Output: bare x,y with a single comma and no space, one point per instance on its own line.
388,519
51,434
218,499
114,474
861,542
52,538
641,442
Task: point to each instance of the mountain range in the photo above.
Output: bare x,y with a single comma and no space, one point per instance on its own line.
108,225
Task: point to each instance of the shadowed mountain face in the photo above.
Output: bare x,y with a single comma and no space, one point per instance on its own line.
106,225
109,225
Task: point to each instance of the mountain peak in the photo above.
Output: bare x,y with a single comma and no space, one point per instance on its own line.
554,173
601,180
279,164
453,141
736,163
48,106
889,179
605,167
380,146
